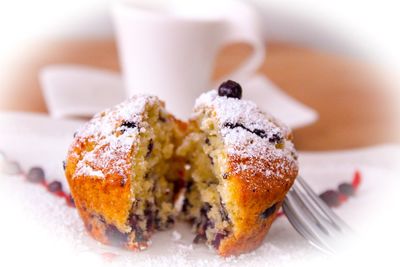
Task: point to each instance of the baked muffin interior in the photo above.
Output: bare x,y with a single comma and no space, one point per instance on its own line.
205,201
151,182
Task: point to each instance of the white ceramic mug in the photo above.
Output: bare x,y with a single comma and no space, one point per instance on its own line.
169,49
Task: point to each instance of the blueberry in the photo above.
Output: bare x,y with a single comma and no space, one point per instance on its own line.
149,214
35,175
133,220
346,189
210,224
211,159
189,186
161,118
268,212
331,198
149,148
199,238
275,138
260,133
54,187
207,141
205,208
230,89
115,237
139,236
70,201
186,205
232,125
99,218
217,239
170,220
128,124
223,212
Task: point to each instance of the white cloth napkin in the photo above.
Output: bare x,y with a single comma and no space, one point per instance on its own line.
81,91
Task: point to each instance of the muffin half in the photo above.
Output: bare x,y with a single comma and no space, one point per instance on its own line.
242,163
122,171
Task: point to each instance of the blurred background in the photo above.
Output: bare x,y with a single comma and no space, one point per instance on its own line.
339,58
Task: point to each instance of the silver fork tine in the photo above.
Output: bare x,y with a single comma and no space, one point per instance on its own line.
301,229
312,218
323,207
304,216
316,213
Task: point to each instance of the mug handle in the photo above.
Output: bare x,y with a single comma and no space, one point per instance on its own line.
243,25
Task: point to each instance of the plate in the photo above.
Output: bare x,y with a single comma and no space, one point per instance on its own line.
38,228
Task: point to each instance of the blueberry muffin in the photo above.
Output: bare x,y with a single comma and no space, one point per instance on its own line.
242,163
134,168
123,173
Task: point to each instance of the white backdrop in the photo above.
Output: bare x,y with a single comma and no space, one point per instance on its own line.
354,27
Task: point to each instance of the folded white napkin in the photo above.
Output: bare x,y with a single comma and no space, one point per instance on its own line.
81,91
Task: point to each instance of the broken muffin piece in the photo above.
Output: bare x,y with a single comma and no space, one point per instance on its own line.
122,171
242,163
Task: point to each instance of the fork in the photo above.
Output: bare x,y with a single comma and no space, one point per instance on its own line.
313,219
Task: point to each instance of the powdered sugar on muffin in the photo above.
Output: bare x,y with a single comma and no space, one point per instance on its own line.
246,130
112,133
121,171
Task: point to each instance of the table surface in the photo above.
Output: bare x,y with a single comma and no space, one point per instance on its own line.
355,106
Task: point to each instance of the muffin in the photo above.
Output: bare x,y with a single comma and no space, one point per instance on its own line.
242,163
122,171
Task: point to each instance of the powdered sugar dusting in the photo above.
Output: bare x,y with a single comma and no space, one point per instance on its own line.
59,233
113,134
176,235
86,170
247,131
